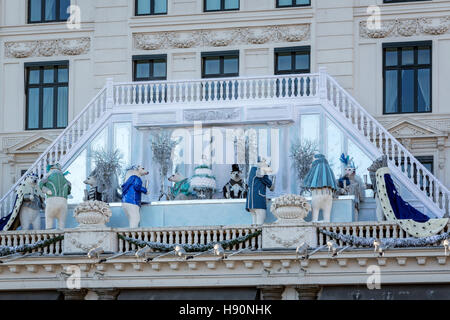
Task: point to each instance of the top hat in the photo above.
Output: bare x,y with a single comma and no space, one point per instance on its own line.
235,167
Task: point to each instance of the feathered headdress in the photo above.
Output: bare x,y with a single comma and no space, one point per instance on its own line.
56,166
347,161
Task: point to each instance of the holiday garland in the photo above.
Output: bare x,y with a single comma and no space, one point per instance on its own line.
6,250
390,242
190,247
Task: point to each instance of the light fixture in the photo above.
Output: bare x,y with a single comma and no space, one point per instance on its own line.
114,256
379,247
219,250
181,252
343,249
332,247
143,252
446,244
302,251
239,251
95,252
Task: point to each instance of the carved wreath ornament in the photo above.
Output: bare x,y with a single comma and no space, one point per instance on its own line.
47,48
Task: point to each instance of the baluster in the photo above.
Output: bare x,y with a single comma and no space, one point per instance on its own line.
183,237
233,235
202,237
189,239
227,234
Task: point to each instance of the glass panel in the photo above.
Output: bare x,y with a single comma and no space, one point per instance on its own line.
160,6
285,3
303,2
230,65
62,107
50,10
142,70
212,66
391,57
49,75
334,147
361,160
35,10
423,87
284,61
407,90
33,76
212,5
76,177
231,4
33,108
122,141
302,61
47,116
63,6
143,7
99,143
423,55
63,74
159,68
407,56
310,126
391,103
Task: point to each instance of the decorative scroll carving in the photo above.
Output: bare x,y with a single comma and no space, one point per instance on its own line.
211,115
47,48
406,27
221,37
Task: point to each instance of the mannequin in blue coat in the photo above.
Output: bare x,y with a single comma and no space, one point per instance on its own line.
132,191
258,182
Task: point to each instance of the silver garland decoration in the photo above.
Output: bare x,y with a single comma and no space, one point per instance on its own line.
390,242
302,154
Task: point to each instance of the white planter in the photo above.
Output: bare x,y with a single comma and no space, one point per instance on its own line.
290,208
92,214
290,212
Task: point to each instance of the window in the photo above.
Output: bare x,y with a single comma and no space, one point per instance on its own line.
221,5
46,95
293,3
407,77
150,7
220,64
40,11
292,60
148,68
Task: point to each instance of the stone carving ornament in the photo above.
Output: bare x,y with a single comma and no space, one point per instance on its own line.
406,27
47,48
211,115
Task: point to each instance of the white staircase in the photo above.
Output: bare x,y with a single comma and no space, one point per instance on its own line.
319,88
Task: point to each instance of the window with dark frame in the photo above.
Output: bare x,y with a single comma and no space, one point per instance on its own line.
42,11
293,3
292,60
221,64
150,68
150,7
220,5
407,77
47,92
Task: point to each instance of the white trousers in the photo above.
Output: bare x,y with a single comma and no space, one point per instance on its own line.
258,216
55,208
133,214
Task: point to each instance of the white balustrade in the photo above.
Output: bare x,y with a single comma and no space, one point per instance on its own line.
23,237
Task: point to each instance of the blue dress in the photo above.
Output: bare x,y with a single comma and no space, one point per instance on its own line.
132,190
256,196
320,175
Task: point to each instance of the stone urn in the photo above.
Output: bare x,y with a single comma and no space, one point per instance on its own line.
92,214
290,208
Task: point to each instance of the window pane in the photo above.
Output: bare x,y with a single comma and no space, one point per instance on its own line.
301,61
47,116
122,141
63,74
230,65
49,75
50,10
407,90
78,169
423,100
212,66
391,102
423,55
303,2
35,10
407,56
231,4
310,128
33,108
33,76
160,6
212,5
63,6
143,6
159,69
284,61
335,140
62,107
391,57
142,70
285,2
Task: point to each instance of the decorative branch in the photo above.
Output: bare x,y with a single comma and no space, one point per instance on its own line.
302,154
6,250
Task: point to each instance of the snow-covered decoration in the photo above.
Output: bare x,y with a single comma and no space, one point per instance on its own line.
372,169
290,206
181,189
163,147
350,183
158,246
103,180
132,191
92,213
411,220
388,242
6,250
203,182
246,149
302,154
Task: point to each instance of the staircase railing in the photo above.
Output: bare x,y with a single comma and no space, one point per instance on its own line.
426,184
65,142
